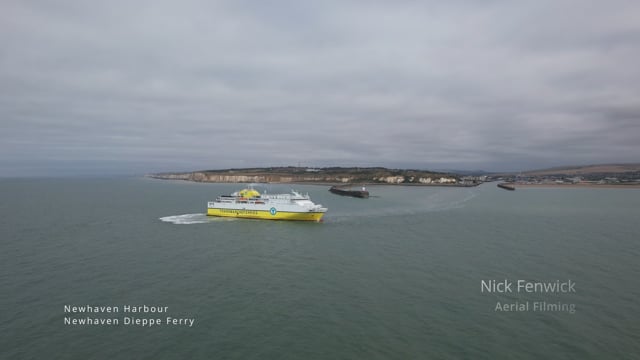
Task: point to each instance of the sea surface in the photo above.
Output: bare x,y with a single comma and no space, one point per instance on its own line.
396,276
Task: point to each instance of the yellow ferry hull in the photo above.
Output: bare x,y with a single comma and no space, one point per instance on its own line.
266,214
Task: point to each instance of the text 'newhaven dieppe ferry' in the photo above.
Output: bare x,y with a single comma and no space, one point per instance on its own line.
250,204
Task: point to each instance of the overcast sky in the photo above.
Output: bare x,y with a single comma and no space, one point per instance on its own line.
102,87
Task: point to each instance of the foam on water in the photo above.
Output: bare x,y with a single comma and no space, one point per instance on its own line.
443,203
189,219
443,200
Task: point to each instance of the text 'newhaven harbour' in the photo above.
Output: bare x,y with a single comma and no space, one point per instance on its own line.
136,315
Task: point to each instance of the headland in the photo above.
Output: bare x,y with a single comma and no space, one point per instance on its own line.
618,176
322,176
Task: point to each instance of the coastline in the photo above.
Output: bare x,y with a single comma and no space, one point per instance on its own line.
577,186
325,176
458,185
316,183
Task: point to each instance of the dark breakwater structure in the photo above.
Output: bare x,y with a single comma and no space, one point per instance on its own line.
507,186
346,191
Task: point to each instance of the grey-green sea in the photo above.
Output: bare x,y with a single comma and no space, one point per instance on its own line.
410,273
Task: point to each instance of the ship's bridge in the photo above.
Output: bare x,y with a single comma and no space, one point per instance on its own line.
249,193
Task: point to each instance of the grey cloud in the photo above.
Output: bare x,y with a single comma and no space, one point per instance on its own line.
156,86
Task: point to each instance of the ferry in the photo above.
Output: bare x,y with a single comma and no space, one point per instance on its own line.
250,204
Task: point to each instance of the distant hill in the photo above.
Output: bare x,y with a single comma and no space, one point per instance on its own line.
329,175
380,175
586,170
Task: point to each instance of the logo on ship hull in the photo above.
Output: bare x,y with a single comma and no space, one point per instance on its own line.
273,211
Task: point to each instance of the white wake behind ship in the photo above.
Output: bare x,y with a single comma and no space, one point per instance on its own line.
250,204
